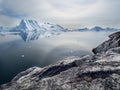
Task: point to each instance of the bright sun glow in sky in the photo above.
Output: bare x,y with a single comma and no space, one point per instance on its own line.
68,13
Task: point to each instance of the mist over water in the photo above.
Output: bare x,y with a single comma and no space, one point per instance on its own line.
17,55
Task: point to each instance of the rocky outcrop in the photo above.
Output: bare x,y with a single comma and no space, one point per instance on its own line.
113,42
100,71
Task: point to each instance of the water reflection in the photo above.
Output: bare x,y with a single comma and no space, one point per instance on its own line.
31,35
28,36
17,55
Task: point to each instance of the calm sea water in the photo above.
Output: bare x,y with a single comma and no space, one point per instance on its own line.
17,55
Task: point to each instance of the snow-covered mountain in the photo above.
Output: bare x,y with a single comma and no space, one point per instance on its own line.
31,25
28,26
81,29
97,28
32,30
29,30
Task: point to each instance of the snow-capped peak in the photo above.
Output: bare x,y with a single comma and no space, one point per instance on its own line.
31,29
29,25
97,28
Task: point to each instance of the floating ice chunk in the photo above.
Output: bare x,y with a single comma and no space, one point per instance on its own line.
22,56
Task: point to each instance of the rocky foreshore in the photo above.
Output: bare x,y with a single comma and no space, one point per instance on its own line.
100,71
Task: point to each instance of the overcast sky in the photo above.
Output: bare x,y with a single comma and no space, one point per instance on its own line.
68,13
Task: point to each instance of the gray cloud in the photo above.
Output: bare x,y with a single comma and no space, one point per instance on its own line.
69,13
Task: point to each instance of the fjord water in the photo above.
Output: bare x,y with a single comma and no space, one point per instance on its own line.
16,55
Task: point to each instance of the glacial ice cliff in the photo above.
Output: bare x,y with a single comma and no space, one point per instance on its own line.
100,71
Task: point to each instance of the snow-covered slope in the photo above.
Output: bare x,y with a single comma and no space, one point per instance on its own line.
31,25
52,27
28,25
29,30
98,28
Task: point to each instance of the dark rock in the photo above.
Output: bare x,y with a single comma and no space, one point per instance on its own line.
113,42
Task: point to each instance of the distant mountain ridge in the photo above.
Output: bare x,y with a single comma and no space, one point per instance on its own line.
30,25
32,30
98,28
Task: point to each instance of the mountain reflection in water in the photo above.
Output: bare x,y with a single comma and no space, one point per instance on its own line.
17,55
